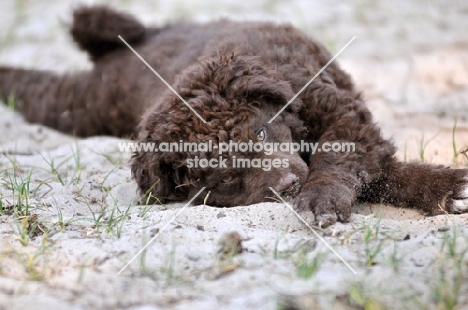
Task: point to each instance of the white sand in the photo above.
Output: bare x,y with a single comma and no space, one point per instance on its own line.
411,61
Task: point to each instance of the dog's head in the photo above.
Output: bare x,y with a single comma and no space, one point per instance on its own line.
236,96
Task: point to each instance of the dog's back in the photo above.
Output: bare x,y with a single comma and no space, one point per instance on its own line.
111,98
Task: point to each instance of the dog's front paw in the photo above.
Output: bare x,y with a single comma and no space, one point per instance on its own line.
329,202
457,200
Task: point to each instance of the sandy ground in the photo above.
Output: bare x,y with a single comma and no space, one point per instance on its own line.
70,220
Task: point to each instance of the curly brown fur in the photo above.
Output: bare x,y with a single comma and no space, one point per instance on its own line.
237,76
96,31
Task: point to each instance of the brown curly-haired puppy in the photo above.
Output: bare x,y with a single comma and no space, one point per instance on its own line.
236,76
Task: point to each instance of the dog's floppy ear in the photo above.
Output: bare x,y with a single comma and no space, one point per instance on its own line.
158,174
158,178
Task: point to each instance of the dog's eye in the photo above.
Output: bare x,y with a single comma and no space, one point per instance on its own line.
261,135
227,178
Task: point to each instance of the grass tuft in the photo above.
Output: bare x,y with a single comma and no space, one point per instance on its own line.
372,243
308,267
423,145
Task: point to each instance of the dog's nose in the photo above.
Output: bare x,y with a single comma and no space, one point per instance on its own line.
286,182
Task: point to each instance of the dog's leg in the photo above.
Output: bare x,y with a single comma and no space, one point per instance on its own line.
96,29
337,176
369,171
80,104
433,189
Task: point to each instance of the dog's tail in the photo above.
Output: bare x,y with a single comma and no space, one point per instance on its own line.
96,30
70,103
